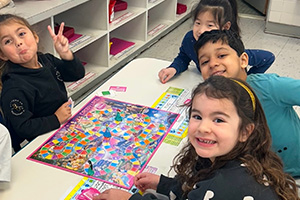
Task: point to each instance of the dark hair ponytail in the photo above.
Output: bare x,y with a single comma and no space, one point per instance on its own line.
234,23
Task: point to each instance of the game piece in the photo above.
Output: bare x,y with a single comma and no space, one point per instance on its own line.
90,170
118,117
107,133
105,93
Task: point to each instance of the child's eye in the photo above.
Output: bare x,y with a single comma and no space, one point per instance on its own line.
218,120
197,22
198,117
204,62
211,26
7,42
222,55
22,33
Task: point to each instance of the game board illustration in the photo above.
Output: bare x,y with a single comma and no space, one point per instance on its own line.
107,140
173,100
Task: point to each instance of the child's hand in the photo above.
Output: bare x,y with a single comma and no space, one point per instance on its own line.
146,180
113,194
61,43
166,74
63,113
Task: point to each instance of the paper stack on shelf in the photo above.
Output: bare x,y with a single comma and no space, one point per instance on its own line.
122,18
157,29
77,39
75,85
119,47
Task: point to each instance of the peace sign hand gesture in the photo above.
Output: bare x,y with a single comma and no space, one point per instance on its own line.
61,43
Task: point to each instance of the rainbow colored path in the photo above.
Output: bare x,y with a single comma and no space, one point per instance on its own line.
107,140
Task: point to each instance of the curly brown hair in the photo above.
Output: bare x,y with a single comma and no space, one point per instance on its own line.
255,152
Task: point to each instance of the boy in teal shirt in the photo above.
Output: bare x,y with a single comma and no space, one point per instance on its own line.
222,53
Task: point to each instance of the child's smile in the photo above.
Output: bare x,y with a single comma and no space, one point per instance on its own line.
218,72
205,142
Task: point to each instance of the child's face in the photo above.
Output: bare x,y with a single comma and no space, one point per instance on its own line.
17,43
213,127
205,22
221,59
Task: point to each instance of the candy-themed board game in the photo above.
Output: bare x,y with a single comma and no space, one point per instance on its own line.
88,183
174,100
108,140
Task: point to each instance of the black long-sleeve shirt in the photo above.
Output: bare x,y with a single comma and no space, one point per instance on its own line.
233,181
30,97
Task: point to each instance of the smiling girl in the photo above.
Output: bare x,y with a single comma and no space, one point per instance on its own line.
228,153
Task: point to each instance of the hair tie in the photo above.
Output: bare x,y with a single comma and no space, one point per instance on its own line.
248,91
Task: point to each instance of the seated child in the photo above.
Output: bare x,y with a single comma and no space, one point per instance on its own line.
5,157
34,98
222,53
212,15
228,153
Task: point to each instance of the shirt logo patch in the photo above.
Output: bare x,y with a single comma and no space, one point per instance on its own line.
16,107
58,76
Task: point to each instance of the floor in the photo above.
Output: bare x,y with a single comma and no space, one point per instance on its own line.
285,49
245,8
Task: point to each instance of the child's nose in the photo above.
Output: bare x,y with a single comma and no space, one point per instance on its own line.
18,43
202,29
204,126
213,62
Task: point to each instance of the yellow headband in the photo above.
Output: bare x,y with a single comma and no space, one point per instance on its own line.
249,92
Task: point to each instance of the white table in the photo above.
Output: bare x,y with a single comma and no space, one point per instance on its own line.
31,180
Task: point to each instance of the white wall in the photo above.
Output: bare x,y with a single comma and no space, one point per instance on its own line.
284,12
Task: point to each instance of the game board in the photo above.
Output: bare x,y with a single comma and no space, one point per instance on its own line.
173,100
87,183
107,140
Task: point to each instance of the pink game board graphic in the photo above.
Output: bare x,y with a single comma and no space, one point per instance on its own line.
107,140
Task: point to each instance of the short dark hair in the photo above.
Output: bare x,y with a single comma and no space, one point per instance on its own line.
225,36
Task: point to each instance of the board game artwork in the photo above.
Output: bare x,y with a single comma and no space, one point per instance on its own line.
173,100
107,140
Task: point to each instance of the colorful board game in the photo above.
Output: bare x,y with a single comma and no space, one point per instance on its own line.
173,100
108,140
86,183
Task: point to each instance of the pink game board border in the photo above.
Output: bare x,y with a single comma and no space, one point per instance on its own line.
131,180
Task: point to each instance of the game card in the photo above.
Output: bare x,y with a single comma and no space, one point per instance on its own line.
118,88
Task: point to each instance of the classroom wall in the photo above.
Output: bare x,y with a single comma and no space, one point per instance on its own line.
283,17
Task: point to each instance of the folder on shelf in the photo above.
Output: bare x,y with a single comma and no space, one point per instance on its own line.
74,37
119,46
120,5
